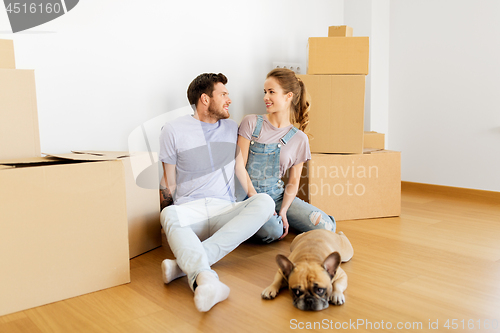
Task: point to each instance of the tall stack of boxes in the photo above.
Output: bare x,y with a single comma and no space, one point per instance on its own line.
69,224
350,175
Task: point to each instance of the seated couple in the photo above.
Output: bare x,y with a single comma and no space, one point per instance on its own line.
200,215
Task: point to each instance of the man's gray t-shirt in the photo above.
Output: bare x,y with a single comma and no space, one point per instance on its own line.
204,156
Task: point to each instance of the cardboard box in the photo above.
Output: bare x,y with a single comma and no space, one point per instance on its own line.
19,135
64,230
374,140
7,59
143,199
336,118
339,31
333,55
351,187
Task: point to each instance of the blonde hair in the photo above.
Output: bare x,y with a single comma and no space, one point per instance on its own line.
289,82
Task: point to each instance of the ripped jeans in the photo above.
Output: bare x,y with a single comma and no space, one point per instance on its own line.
301,216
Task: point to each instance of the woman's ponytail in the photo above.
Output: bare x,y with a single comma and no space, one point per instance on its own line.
289,82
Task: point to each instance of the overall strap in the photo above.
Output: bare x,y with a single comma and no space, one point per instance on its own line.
284,140
258,127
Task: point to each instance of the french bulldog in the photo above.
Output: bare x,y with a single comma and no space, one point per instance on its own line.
312,270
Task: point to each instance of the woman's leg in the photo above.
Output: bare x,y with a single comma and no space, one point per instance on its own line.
303,216
270,231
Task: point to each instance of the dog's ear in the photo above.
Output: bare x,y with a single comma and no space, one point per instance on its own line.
331,263
285,265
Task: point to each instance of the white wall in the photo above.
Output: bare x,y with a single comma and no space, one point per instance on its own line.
371,18
444,85
106,67
358,15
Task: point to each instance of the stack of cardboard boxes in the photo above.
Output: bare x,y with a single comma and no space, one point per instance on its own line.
69,224
350,175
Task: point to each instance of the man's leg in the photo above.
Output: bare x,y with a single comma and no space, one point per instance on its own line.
235,225
184,238
195,258
230,225
190,254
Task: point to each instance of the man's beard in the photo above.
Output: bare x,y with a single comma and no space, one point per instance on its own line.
217,113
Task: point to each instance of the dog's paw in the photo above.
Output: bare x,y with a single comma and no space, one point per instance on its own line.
337,298
269,293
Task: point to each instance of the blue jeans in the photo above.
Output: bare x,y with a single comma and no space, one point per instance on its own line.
301,216
263,167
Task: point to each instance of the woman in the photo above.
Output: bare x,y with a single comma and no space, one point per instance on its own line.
271,145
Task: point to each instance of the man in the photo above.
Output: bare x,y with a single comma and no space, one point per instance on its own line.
202,221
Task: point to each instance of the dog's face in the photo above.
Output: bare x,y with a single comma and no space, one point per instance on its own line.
310,283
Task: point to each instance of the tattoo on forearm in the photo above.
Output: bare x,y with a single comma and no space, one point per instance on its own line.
166,198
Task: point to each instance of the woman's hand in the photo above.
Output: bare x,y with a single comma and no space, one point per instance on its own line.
282,213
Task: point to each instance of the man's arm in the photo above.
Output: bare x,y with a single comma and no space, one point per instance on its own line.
167,186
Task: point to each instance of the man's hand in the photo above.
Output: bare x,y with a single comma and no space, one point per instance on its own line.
165,198
167,185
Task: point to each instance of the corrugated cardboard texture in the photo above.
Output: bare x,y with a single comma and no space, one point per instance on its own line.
332,55
350,187
340,31
336,118
7,59
64,232
374,140
19,135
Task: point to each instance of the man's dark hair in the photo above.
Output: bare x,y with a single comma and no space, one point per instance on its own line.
203,84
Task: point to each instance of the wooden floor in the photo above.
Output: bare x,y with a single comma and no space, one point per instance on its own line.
438,263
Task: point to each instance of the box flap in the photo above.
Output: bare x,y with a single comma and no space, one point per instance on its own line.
378,151
106,154
89,156
78,157
26,161
370,150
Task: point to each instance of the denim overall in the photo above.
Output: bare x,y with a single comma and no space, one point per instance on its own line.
263,166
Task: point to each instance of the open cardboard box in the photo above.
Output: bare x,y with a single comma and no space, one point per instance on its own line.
64,230
354,186
66,220
142,189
